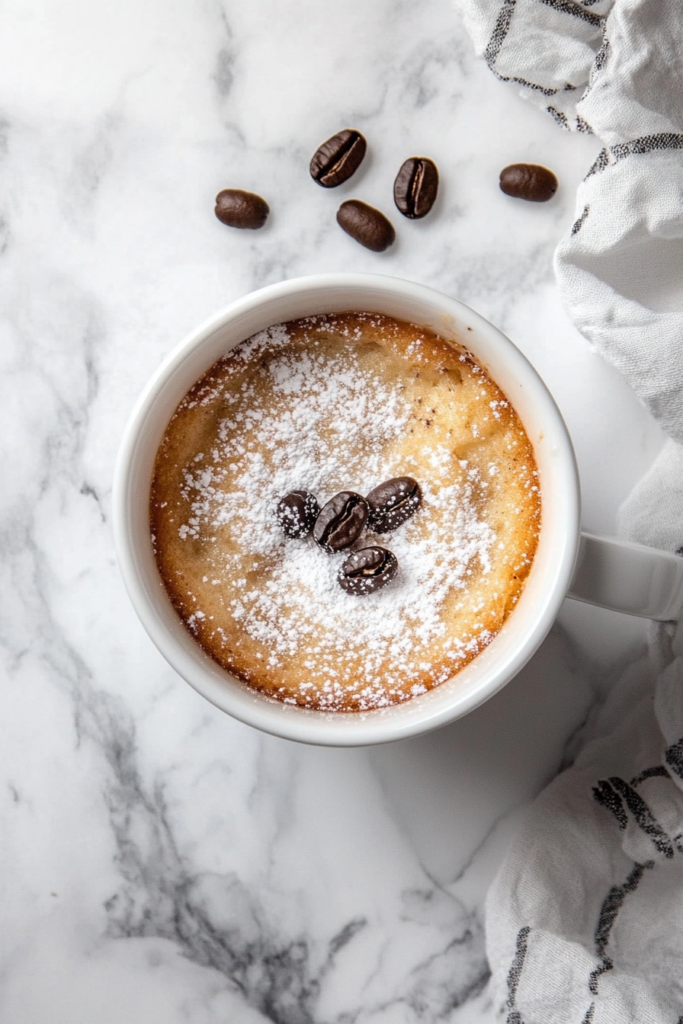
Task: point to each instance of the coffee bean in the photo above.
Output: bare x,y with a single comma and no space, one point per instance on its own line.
528,181
393,502
297,512
367,570
416,186
240,209
340,521
337,159
366,224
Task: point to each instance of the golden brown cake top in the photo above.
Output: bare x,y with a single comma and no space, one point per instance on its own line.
331,403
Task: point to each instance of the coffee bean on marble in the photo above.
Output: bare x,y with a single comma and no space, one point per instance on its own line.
416,187
297,513
367,570
240,209
392,503
532,182
340,521
366,225
337,159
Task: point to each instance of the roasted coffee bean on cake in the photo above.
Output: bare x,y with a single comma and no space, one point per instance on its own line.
354,403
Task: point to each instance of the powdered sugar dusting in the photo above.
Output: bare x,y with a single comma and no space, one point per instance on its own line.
331,425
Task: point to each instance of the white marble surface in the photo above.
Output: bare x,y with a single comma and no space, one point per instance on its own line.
160,862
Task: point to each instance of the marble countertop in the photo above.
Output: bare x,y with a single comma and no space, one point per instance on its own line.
161,862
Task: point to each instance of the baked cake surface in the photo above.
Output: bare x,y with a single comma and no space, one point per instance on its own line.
331,403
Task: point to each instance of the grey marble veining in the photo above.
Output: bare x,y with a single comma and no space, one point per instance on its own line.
161,862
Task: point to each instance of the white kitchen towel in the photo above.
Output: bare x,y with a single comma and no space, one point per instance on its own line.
585,920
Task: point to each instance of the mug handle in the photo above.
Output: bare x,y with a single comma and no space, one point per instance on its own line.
628,578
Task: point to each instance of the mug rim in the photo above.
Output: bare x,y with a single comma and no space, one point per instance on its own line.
494,667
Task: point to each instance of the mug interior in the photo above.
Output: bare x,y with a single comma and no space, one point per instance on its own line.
553,564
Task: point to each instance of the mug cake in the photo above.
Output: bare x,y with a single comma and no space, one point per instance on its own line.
342,404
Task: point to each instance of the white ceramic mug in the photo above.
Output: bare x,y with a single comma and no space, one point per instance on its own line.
625,577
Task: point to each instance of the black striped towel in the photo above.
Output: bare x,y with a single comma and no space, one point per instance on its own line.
585,921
